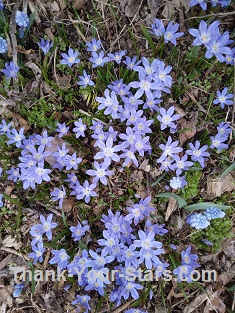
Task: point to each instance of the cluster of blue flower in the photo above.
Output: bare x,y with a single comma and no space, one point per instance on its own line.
215,43
189,264
126,103
119,244
203,3
22,20
202,220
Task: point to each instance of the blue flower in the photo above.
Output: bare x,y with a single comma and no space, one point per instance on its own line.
202,3
217,47
58,194
80,128
17,290
11,70
83,301
78,231
60,257
171,33
85,80
37,255
100,172
147,253
94,45
197,153
224,98
71,161
205,33
1,202
22,19
3,45
14,174
188,258
70,58
175,182
132,63
4,127
108,152
213,213
46,226
198,220
98,59
224,129
207,242
117,56
45,45
158,29
169,149
224,3
130,288
218,142
183,273
84,191
62,129
16,137
168,117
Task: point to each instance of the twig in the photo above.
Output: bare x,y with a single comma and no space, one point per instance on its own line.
13,31
209,15
123,307
137,12
13,34
233,113
23,256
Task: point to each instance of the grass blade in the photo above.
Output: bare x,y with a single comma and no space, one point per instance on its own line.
204,205
182,203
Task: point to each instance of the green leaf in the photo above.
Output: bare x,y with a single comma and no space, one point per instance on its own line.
159,179
168,195
149,38
228,170
12,200
232,288
204,205
82,245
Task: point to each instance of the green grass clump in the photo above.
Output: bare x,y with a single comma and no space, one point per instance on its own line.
217,232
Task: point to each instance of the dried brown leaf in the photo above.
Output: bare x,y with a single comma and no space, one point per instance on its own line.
195,303
188,134
5,295
10,242
53,6
8,259
178,109
155,172
144,166
33,9
216,186
4,103
56,141
160,309
62,4
215,303
68,204
22,50
20,121
171,207
78,4
228,247
49,33
174,6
